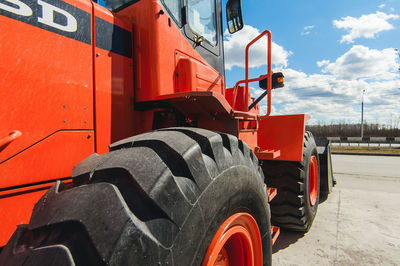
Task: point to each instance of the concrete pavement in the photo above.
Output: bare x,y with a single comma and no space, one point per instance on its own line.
359,224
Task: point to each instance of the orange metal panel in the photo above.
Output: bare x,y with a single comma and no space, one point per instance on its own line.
250,137
186,75
46,95
192,74
237,101
284,133
52,158
114,113
45,82
16,207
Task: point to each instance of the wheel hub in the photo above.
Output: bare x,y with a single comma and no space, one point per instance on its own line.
313,180
237,242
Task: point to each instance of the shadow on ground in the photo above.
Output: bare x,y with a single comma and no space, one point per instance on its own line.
285,239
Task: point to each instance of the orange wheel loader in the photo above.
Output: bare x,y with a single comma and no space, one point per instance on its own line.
121,145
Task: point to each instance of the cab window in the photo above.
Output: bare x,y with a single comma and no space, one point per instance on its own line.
115,5
202,19
174,8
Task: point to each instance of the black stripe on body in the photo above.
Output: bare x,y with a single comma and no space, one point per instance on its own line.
112,38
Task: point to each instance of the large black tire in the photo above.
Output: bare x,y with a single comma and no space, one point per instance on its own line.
291,208
155,199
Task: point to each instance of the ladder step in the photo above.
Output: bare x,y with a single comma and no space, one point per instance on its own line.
272,193
275,230
268,154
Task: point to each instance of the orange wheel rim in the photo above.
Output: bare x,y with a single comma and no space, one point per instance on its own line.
313,180
237,242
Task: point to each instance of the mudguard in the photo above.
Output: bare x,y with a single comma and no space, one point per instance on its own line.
325,165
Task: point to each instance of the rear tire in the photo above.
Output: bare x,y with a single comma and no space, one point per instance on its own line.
296,203
157,198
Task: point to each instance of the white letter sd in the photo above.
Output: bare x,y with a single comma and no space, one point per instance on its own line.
47,17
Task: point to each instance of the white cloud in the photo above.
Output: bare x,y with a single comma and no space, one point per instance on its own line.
328,98
363,62
307,30
323,63
335,96
235,45
366,26
381,6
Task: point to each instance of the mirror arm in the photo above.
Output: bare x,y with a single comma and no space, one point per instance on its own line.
258,99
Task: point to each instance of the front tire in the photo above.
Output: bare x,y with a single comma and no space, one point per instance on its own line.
158,198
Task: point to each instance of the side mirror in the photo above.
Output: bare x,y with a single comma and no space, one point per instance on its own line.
277,81
234,15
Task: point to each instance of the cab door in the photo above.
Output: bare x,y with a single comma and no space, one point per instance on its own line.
203,27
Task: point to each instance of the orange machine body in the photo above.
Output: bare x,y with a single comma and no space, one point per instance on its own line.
71,86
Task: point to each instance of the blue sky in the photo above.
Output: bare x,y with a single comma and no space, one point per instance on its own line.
329,51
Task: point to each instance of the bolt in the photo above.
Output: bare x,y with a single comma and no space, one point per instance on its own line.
98,54
65,121
89,136
64,106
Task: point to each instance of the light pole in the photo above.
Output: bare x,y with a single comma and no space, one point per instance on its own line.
362,114
398,53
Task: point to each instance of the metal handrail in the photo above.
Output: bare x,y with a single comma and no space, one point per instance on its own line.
247,80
